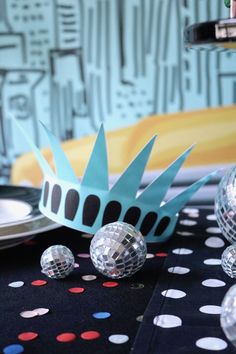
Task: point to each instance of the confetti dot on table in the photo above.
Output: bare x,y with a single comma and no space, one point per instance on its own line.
101,315
187,222
212,261
211,309
161,254
36,312
118,338
41,311
66,337
211,217
182,251
185,233
178,270
77,290
27,336
213,230
87,235
90,335
16,284
211,343
190,210
173,293
136,286
30,243
150,255
39,282
89,277
83,255
13,349
110,284
167,321
28,314
214,242
213,283
139,318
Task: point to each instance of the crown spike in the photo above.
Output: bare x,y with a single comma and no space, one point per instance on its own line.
177,203
129,181
159,187
63,167
46,169
96,173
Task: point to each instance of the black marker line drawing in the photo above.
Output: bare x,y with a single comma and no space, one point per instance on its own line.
76,63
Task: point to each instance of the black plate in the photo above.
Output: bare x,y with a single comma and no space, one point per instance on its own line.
23,194
27,226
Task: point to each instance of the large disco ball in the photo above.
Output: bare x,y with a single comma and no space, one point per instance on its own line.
225,205
57,262
118,250
228,315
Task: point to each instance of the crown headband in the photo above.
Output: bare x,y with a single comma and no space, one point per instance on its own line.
89,204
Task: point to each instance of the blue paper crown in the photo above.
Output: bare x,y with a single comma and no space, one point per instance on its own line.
89,204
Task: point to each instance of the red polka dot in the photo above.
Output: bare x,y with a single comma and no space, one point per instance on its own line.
39,282
76,290
161,254
90,335
26,336
110,284
66,337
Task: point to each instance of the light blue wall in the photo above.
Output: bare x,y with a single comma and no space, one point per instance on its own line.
76,63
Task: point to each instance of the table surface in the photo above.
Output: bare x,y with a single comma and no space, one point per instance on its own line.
171,305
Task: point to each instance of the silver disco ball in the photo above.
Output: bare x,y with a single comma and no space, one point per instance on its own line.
57,262
225,205
228,261
118,250
228,315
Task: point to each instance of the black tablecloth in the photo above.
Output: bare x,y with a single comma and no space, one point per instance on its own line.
185,266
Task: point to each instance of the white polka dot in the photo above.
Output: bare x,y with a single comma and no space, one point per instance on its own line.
194,216
150,255
213,283
211,343
211,217
214,242
118,338
76,265
16,284
211,309
190,210
212,261
185,233
213,230
182,251
28,314
41,311
173,293
89,277
187,222
167,321
178,270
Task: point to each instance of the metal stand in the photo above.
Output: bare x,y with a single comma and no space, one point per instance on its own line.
218,33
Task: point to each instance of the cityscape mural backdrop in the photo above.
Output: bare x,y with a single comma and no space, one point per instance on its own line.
76,63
